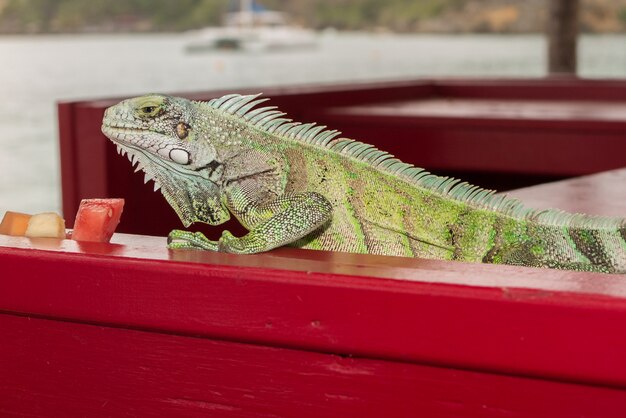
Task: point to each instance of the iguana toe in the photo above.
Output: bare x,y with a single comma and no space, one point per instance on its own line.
178,239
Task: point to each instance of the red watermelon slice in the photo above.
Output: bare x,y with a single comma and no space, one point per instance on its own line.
97,219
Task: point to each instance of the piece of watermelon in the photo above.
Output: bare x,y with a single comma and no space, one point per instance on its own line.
97,219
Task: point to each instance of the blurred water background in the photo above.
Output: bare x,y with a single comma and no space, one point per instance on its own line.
38,71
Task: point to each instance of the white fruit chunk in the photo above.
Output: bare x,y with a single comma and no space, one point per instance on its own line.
46,225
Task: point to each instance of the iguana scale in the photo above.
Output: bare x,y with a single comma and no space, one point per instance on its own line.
302,185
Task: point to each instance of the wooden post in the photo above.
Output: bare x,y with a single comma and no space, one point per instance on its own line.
562,33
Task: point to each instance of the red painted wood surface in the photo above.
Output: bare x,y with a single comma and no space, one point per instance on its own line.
79,370
547,137
499,134
449,314
601,194
94,329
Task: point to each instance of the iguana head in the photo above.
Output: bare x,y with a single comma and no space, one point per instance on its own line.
157,132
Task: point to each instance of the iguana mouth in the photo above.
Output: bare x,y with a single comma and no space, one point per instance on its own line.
119,129
118,135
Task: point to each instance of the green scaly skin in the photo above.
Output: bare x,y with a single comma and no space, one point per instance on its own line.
300,185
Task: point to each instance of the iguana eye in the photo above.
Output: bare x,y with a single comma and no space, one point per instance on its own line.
150,110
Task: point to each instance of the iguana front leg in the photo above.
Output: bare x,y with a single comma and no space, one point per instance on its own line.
273,224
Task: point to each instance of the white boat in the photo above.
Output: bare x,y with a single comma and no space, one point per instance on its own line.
254,28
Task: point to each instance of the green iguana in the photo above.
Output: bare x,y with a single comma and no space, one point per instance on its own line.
301,185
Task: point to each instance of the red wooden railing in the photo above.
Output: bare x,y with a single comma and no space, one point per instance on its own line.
133,329
103,329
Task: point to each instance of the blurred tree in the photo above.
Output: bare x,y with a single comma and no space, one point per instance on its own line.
397,15
75,15
622,14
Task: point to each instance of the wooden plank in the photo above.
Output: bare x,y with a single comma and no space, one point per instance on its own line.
547,89
399,308
489,146
91,166
69,157
52,368
601,194
338,303
578,112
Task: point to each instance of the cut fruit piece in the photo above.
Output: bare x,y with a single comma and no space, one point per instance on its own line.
14,223
97,219
46,225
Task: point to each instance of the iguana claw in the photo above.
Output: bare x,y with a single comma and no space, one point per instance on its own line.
191,240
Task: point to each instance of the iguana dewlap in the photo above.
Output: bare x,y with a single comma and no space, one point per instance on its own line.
301,185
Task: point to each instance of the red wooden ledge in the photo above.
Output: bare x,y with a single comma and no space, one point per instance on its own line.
74,370
458,315
396,318
132,329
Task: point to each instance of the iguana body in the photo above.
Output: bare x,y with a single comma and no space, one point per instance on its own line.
298,184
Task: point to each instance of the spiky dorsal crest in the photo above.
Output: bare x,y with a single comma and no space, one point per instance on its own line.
271,120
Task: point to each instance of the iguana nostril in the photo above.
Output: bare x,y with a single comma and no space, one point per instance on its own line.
182,130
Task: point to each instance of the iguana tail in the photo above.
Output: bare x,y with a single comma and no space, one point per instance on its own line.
567,241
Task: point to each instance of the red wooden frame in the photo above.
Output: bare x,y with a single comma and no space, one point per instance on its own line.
81,370
293,298
131,328
77,370
101,329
